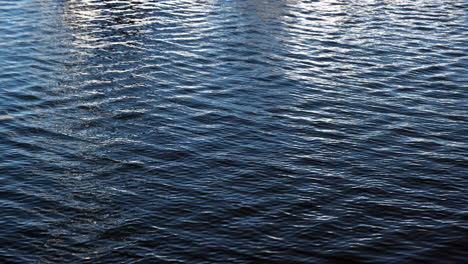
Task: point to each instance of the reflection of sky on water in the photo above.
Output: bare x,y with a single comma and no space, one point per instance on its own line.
245,45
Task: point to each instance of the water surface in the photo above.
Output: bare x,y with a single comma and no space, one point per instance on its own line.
233,131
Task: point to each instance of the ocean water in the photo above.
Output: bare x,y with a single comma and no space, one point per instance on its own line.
233,131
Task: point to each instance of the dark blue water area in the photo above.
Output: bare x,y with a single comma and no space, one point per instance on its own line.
233,131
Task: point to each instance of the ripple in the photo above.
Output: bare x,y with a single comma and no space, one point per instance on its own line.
233,131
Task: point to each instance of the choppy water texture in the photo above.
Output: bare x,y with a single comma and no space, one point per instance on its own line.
233,131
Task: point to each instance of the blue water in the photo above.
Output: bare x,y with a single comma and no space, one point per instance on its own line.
233,131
